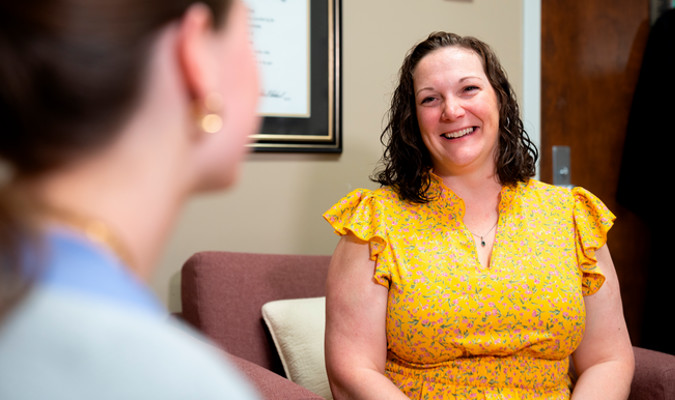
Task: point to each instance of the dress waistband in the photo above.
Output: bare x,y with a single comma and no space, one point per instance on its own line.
488,371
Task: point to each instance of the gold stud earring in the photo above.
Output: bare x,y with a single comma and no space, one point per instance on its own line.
212,122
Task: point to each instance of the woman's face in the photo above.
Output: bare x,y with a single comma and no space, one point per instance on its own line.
239,86
457,111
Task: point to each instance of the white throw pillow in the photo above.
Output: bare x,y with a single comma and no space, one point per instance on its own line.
297,327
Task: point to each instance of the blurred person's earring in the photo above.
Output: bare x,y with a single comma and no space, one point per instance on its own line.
210,120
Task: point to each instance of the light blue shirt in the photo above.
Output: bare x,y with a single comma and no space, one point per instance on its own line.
80,266
90,330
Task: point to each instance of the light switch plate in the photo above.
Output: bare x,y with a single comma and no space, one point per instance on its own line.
561,166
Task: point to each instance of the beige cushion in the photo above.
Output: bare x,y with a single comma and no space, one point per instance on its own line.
297,327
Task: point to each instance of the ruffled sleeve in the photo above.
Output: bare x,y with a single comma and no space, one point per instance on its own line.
363,215
592,220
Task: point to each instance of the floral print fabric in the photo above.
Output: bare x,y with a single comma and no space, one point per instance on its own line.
456,330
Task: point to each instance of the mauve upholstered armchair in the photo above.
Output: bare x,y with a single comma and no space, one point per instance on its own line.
223,293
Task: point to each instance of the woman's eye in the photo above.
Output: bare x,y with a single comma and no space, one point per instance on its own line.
471,88
427,100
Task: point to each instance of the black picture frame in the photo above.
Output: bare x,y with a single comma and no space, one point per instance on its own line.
321,130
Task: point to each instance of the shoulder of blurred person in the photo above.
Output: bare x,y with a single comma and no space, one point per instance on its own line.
58,344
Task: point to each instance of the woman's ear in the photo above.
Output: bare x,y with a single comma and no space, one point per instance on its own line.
193,50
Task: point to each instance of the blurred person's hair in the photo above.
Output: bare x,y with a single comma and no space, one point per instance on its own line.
71,73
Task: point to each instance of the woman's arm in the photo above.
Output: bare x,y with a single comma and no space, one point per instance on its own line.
356,341
604,360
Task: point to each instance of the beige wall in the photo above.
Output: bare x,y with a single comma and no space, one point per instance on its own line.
277,205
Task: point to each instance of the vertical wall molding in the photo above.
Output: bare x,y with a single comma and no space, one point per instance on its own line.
531,102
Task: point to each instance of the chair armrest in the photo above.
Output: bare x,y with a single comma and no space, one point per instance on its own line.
270,385
654,375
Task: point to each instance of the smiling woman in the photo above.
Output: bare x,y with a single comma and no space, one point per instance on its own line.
406,161
462,277
457,112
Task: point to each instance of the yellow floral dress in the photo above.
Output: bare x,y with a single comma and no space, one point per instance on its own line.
456,330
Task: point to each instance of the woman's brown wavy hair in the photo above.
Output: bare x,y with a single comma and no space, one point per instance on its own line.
406,162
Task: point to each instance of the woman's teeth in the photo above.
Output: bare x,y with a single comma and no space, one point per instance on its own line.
456,134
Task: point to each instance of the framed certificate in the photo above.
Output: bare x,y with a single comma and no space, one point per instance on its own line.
297,45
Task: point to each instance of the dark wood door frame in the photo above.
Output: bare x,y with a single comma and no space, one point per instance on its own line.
591,54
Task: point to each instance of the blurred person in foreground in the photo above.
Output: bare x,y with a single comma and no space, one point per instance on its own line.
462,277
113,114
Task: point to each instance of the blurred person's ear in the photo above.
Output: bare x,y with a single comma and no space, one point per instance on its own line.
194,50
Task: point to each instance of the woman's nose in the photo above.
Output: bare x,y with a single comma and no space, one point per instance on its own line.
452,109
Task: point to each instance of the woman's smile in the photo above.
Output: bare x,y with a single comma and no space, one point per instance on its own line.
459,133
